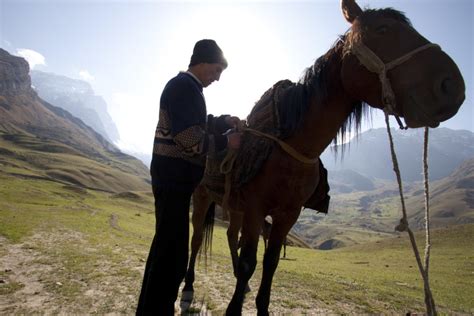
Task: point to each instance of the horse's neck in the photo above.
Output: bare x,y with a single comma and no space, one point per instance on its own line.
323,121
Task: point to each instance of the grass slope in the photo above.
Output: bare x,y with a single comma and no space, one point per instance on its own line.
26,155
70,250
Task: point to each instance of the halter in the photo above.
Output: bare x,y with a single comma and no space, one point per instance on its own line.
374,64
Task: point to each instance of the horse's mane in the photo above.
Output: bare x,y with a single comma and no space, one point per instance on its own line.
387,12
314,83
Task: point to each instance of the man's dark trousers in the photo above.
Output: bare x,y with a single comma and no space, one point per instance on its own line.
168,258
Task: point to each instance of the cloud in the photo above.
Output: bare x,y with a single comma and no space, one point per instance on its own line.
7,43
32,57
85,75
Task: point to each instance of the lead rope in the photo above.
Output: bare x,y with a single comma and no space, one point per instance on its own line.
403,225
429,300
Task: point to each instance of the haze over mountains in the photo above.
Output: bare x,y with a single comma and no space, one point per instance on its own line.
78,98
369,155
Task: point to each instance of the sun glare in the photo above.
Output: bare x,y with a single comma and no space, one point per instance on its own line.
253,51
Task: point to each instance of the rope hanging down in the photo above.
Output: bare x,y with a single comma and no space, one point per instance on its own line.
403,226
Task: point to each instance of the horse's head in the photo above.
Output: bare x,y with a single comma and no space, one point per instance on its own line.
389,65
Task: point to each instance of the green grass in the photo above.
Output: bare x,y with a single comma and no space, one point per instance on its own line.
72,233
70,230
26,155
376,277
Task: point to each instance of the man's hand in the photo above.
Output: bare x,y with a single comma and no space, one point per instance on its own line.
232,121
233,140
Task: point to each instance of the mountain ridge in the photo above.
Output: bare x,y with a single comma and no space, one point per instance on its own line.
49,142
77,97
369,154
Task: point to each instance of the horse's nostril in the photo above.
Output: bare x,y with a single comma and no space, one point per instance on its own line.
448,87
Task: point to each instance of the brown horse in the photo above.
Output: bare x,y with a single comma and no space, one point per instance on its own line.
383,62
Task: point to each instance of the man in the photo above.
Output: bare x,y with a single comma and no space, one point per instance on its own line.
184,136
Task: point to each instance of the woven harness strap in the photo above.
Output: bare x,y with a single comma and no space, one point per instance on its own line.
374,64
228,163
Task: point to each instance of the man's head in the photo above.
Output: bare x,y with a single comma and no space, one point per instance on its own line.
207,61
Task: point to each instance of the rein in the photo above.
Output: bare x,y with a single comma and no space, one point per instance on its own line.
374,64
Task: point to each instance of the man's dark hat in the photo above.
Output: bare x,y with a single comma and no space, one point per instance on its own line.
207,51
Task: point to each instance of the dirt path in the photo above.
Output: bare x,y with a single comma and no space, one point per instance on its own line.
214,289
21,286
53,274
60,273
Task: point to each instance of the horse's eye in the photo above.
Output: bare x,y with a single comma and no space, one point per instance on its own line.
382,29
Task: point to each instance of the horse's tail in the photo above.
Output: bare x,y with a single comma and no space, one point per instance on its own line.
208,231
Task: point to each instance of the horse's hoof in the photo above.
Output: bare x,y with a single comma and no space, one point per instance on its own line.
187,296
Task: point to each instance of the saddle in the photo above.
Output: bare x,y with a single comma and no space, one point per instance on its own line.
255,150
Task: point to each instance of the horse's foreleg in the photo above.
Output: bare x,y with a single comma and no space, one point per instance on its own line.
270,263
245,268
189,279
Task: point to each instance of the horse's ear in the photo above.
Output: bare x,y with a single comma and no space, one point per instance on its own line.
351,10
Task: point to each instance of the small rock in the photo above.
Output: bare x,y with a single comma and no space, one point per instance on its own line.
142,260
401,283
2,281
59,283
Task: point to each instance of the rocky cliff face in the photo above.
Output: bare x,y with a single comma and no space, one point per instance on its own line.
14,74
23,112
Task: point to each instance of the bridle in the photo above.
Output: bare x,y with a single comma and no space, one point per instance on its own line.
374,64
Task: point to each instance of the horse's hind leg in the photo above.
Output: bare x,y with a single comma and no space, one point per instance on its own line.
201,203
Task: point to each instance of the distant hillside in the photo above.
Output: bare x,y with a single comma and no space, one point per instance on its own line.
361,216
369,155
38,139
451,199
78,98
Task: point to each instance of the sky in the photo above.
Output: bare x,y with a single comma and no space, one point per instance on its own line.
128,50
